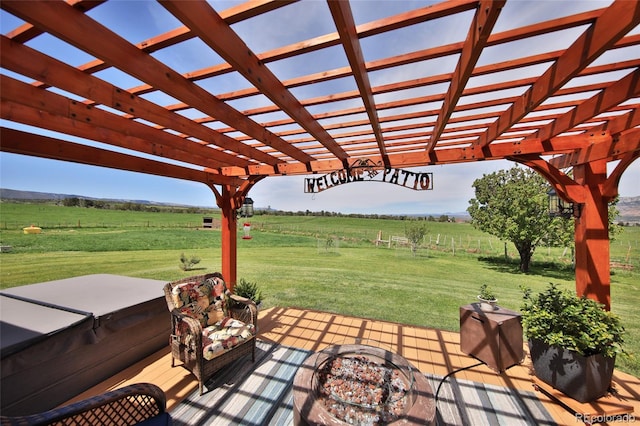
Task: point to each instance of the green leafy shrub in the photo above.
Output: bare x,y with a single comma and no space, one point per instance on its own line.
579,324
187,264
249,290
328,243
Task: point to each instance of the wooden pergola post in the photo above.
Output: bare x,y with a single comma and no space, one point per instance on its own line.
592,234
227,202
591,190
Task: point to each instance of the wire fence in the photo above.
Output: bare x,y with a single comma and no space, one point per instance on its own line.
624,253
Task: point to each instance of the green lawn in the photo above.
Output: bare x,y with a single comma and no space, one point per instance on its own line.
324,263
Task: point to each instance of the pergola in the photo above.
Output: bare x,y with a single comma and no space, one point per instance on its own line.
461,85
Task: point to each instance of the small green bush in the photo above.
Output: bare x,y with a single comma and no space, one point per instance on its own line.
187,264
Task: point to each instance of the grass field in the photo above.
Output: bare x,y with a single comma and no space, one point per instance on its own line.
324,263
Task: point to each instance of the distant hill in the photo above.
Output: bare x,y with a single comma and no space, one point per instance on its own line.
629,208
13,194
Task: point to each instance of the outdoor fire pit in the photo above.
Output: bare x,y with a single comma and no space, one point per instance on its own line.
360,385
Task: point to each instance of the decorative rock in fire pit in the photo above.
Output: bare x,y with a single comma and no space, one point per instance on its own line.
358,390
361,385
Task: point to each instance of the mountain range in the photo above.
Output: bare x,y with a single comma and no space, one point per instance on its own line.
18,195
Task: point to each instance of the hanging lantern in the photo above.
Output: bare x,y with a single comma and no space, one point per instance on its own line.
559,207
247,208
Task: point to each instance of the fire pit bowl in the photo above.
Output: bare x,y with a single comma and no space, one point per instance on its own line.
361,385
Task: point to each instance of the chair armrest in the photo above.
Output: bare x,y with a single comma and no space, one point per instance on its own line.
194,327
194,324
248,311
128,405
241,299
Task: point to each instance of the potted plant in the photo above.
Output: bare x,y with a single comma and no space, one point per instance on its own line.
249,290
487,298
573,341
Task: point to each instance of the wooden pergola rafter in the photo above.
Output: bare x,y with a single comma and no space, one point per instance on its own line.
433,100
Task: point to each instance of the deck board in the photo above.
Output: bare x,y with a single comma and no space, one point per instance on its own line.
431,351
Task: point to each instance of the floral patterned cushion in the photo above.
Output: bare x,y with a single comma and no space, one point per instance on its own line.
204,301
224,335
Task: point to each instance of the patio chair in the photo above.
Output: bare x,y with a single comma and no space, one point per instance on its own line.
136,404
210,327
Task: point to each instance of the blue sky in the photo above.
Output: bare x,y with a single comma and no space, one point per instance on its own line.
452,183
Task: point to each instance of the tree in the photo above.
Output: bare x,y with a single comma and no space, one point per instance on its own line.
512,205
71,202
415,232
614,228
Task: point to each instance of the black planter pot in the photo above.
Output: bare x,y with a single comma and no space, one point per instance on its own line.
584,379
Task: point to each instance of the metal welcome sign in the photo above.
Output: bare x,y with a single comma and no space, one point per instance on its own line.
367,171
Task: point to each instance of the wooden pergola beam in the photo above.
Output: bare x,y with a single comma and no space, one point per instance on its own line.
365,30
470,137
343,17
217,34
19,142
564,185
481,26
431,113
496,39
440,97
92,37
27,31
617,143
24,60
618,92
610,188
377,27
383,25
558,145
30,105
567,22
232,15
618,19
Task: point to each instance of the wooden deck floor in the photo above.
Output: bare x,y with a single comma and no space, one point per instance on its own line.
431,351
